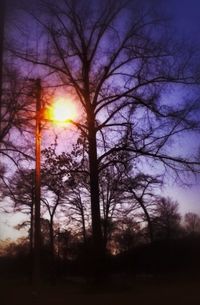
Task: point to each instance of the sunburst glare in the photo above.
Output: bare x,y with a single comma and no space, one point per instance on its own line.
62,111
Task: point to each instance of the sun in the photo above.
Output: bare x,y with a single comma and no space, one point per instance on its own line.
62,111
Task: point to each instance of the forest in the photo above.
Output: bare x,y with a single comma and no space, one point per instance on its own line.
90,189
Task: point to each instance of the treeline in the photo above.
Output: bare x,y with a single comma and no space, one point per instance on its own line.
128,253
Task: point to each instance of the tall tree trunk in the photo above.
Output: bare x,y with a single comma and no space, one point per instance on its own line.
97,238
83,227
105,228
105,235
95,204
52,266
51,233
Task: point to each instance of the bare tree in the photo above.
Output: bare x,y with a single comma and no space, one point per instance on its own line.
53,196
66,176
118,63
143,190
192,223
127,234
111,198
21,192
15,89
166,222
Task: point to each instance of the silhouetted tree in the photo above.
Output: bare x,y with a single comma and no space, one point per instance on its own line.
21,192
166,222
19,247
143,187
67,178
52,197
112,197
127,235
119,86
15,93
63,244
192,223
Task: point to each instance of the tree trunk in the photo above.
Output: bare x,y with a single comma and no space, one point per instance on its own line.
150,228
83,227
106,228
148,219
97,246
51,235
52,266
105,235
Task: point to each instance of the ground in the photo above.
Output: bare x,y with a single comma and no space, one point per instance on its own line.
168,290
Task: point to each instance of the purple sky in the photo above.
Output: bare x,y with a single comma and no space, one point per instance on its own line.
186,18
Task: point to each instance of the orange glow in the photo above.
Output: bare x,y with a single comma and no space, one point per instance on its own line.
62,111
